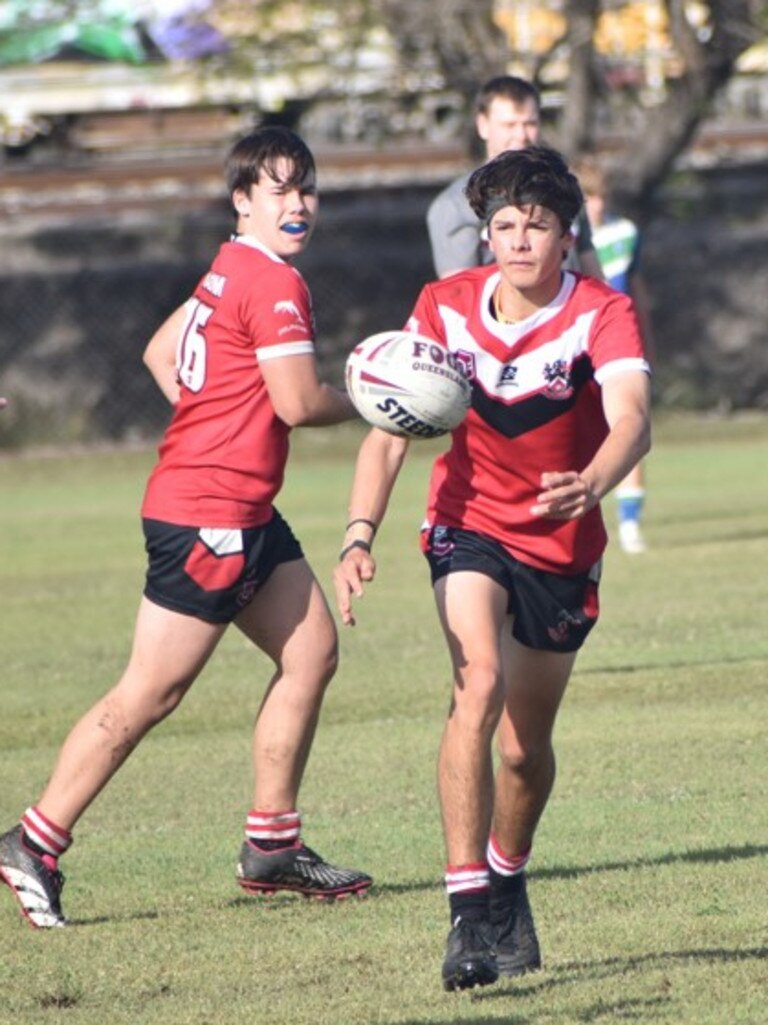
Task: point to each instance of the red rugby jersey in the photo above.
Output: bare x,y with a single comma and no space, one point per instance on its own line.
222,459
536,407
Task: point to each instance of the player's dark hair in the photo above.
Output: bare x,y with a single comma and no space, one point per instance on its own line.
508,87
261,151
534,176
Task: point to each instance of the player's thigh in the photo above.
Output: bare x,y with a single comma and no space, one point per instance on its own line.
534,685
169,648
472,609
289,618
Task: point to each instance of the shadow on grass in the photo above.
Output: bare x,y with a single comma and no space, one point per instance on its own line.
626,1010
714,855
644,667
595,971
278,901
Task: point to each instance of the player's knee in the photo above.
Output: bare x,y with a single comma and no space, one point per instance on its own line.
524,759
169,701
478,696
129,714
330,662
322,660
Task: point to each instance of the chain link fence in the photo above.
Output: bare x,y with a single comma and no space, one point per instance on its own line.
79,301
80,298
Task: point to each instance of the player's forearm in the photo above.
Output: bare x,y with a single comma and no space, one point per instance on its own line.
160,355
164,373
378,464
166,380
627,442
322,407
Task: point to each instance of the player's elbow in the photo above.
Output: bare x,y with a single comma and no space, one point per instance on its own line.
294,416
646,437
152,359
296,411
642,435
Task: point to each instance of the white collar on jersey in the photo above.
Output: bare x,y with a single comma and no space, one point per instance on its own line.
249,240
520,327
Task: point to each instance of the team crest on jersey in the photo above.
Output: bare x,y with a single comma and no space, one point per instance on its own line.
465,362
558,378
508,375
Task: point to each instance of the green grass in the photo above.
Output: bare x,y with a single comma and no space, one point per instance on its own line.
649,875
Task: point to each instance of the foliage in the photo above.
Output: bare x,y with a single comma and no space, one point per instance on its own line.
274,35
468,48
460,37
708,56
397,52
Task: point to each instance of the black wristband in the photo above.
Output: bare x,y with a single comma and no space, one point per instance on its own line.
361,519
365,545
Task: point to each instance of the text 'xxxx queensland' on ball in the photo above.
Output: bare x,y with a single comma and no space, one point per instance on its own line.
407,385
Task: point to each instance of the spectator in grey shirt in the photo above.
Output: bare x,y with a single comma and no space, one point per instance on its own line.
507,117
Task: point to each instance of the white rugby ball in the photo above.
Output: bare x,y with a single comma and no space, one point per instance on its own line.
407,385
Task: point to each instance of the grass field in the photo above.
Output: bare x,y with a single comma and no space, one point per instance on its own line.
649,874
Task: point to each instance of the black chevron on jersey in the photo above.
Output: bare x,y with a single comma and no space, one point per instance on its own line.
526,414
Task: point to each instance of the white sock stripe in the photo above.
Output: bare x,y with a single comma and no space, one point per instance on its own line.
43,842
471,879
467,887
466,877
263,826
259,821
503,865
44,834
272,834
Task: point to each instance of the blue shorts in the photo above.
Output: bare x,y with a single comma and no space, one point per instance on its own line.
551,611
213,573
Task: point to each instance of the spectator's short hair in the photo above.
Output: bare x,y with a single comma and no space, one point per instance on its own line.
508,87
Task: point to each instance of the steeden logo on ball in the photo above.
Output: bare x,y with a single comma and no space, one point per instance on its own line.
407,384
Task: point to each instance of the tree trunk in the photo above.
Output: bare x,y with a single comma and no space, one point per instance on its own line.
575,132
668,128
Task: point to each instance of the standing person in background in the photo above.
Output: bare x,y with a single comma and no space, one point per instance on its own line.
507,117
513,534
237,361
617,244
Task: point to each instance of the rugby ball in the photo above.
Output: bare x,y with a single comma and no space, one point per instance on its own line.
407,384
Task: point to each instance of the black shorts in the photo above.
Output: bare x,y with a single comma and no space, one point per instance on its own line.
213,573
551,611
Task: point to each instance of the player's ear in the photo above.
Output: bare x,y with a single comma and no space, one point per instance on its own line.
481,126
241,201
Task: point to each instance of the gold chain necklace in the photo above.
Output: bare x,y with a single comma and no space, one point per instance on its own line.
499,313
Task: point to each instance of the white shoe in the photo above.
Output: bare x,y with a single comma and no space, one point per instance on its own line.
631,538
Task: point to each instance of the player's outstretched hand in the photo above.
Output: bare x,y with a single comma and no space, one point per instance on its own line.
3,402
358,567
564,496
